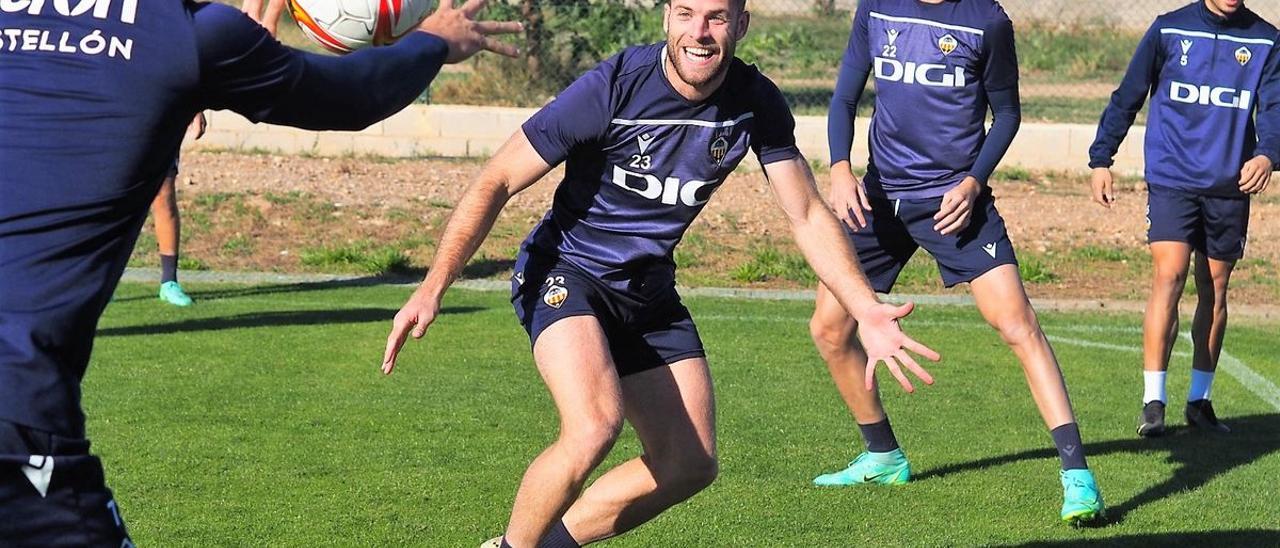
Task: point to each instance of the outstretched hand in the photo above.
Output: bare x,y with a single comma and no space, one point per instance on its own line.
414,317
465,35
884,341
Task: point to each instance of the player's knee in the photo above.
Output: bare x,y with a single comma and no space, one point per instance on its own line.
592,439
828,335
1018,327
1169,276
692,473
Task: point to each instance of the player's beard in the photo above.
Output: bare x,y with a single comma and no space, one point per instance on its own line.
694,76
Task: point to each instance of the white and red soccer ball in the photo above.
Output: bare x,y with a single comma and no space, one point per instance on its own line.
343,26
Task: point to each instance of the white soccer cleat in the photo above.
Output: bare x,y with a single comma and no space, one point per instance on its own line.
495,542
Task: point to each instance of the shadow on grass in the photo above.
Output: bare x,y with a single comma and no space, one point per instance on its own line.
1201,456
1243,537
273,319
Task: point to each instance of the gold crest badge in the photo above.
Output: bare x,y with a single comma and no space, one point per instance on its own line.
555,296
719,149
1243,55
947,44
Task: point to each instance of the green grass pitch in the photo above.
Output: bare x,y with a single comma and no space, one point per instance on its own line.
259,418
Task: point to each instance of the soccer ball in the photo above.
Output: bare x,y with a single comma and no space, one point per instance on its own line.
343,26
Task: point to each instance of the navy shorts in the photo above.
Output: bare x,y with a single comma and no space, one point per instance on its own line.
52,492
896,228
1215,226
643,332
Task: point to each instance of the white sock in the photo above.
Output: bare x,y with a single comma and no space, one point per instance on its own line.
1153,387
1201,385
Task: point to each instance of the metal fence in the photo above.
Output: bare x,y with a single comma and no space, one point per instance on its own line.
1072,53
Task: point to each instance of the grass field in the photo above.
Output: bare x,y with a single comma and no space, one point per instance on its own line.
258,418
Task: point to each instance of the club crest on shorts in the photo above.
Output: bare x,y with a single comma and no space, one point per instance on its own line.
1243,55
947,44
518,277
719,149
555,296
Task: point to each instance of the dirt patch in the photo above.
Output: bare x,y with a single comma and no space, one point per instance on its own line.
352,214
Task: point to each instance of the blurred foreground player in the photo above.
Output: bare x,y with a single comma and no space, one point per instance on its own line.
93,104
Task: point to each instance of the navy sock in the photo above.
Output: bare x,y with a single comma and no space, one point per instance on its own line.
558,537
168,268
1070,449
879,436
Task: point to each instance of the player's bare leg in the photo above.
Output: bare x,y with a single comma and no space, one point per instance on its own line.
164,210
1003,302
834,333
1209,326
673,412
573,359
1169,265
1208,329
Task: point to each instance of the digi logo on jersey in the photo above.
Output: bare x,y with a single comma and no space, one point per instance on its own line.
668,190
925,74
1192,94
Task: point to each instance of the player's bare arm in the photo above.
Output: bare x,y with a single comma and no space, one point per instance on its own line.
825,246
512,169
268,16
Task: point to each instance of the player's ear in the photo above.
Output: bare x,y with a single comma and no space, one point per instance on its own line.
666,17
744,21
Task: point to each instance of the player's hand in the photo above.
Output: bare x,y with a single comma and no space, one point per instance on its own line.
198,125
414,317
270,18
848,196
884,341
465,35
957,207
1256,175
1103,187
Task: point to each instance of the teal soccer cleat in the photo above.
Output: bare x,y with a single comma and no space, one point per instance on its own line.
172,293
1081,500
889,468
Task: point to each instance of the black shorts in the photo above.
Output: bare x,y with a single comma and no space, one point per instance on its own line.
52,492
1214,226
896,228
643,332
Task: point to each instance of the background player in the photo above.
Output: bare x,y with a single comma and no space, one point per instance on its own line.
1206,67
938,66
102,114
164,212
647,137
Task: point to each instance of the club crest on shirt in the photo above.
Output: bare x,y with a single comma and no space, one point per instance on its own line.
555,296
947,44
719,149
1243,55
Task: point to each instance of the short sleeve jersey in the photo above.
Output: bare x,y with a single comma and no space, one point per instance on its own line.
641,161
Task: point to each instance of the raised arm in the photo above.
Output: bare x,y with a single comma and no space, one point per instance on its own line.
824,244
246,70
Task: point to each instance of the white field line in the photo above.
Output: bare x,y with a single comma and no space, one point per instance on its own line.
1255,383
